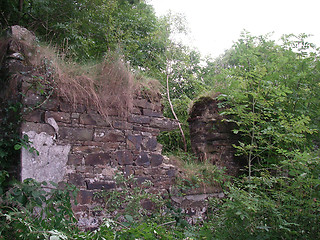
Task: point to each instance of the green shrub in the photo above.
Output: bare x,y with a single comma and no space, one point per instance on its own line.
32,210
280,203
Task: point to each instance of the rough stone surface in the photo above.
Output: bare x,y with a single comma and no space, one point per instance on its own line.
156,160
125,157
97,159
101,185
22,34
108,135
50,164
81,147
211,137
76,134
143,159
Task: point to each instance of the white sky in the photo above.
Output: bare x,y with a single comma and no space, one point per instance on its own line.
216,24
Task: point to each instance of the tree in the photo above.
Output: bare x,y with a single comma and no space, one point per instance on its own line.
181,81
271,109
87,30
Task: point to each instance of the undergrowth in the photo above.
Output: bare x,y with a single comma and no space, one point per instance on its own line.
197,175
279,203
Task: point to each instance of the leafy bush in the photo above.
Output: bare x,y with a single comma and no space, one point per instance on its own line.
280,203
32,210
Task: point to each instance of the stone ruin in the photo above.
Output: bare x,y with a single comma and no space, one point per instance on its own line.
211,136
77,145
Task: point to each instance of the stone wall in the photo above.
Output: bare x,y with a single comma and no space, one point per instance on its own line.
211,137
76,144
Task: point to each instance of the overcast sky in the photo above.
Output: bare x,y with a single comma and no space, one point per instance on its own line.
216,24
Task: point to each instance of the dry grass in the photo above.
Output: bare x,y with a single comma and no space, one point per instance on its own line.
101,87
104,87
148,88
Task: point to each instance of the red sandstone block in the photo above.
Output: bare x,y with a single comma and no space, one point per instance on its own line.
65,106
139,119
14,66
75,159
164,124
113,145
122,125
76,134
79,209
37,127
95,119
85,149
143,103
143,160
171,173
128,170
84,197
151,113
33,99
156,159
93,143
136,111
76,179
97,159
153,131
150,144
87,119
124,157
147,204
51,104
34,116
107,135
141,180
134,141
101,185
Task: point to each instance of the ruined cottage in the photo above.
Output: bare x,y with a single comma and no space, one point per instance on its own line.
77,142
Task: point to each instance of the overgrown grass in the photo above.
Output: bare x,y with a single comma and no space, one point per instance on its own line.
203,176
104,86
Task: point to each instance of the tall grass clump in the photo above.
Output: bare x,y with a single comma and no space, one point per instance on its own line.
105,87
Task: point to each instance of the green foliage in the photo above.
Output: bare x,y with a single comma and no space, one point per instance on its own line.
172,140
10,140
97,26
266,100
128,202
284,205
32,210
197,174
272,92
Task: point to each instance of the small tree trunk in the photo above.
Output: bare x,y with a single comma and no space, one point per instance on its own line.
21,6
175,116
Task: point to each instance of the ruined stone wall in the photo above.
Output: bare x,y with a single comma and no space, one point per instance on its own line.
80,147
77,145
211,137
